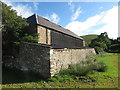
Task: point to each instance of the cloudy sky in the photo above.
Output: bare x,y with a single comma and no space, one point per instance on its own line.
80,17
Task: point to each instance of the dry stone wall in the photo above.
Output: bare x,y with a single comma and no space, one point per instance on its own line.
36,58
61,58
47,62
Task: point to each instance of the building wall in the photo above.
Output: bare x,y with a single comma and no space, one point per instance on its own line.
44,35
57,39
32,29
48,36
60,40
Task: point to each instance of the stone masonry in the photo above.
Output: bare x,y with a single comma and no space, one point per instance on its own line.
61,58
36,58
46,61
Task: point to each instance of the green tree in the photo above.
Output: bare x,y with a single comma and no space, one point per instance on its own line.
115,45
101,43
13,30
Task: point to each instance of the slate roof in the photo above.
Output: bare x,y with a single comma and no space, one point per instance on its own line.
38,20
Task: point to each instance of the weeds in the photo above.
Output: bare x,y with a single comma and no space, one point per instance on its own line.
83,68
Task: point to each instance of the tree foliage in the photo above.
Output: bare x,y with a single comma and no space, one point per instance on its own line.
115,45
101,43
13,29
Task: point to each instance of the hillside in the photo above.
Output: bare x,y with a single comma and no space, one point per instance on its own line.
88,38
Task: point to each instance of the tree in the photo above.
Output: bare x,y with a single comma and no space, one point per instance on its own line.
115,45
101,43
13,30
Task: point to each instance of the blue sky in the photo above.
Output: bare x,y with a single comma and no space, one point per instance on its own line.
80,17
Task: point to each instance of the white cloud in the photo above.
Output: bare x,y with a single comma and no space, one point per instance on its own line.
101,7
111,21
108,18
53,17
7,2
70,2
22,10
71,5
35,4
76,14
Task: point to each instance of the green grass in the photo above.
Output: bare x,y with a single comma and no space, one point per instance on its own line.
94,79
111,60
88,38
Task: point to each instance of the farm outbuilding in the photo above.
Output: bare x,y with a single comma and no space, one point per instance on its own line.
52,34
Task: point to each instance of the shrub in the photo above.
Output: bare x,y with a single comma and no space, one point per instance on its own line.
83,68
30,38
98,50
115,48
101,67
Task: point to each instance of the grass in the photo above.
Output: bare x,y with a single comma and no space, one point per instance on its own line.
88,38
93,79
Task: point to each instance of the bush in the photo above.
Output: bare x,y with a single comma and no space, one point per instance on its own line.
100,67
98,50
101,43
115,48
30,38
83,68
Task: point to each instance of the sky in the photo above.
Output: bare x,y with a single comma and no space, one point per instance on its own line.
82,18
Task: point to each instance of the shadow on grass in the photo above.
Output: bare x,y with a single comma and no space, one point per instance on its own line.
11,76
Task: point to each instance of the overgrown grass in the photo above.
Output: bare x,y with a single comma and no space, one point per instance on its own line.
108,78
83,68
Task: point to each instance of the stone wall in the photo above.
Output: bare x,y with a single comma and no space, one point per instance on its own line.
44,35
61,58
48,36
42,32
36,58
45,61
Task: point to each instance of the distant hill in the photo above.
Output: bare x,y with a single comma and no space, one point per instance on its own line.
88,38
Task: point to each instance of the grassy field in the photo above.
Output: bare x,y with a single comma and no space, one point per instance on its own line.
94,79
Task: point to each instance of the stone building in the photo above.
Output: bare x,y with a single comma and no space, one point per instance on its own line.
52,34
44,60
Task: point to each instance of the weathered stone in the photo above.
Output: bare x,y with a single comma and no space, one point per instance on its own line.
35,58
63,57
47,62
